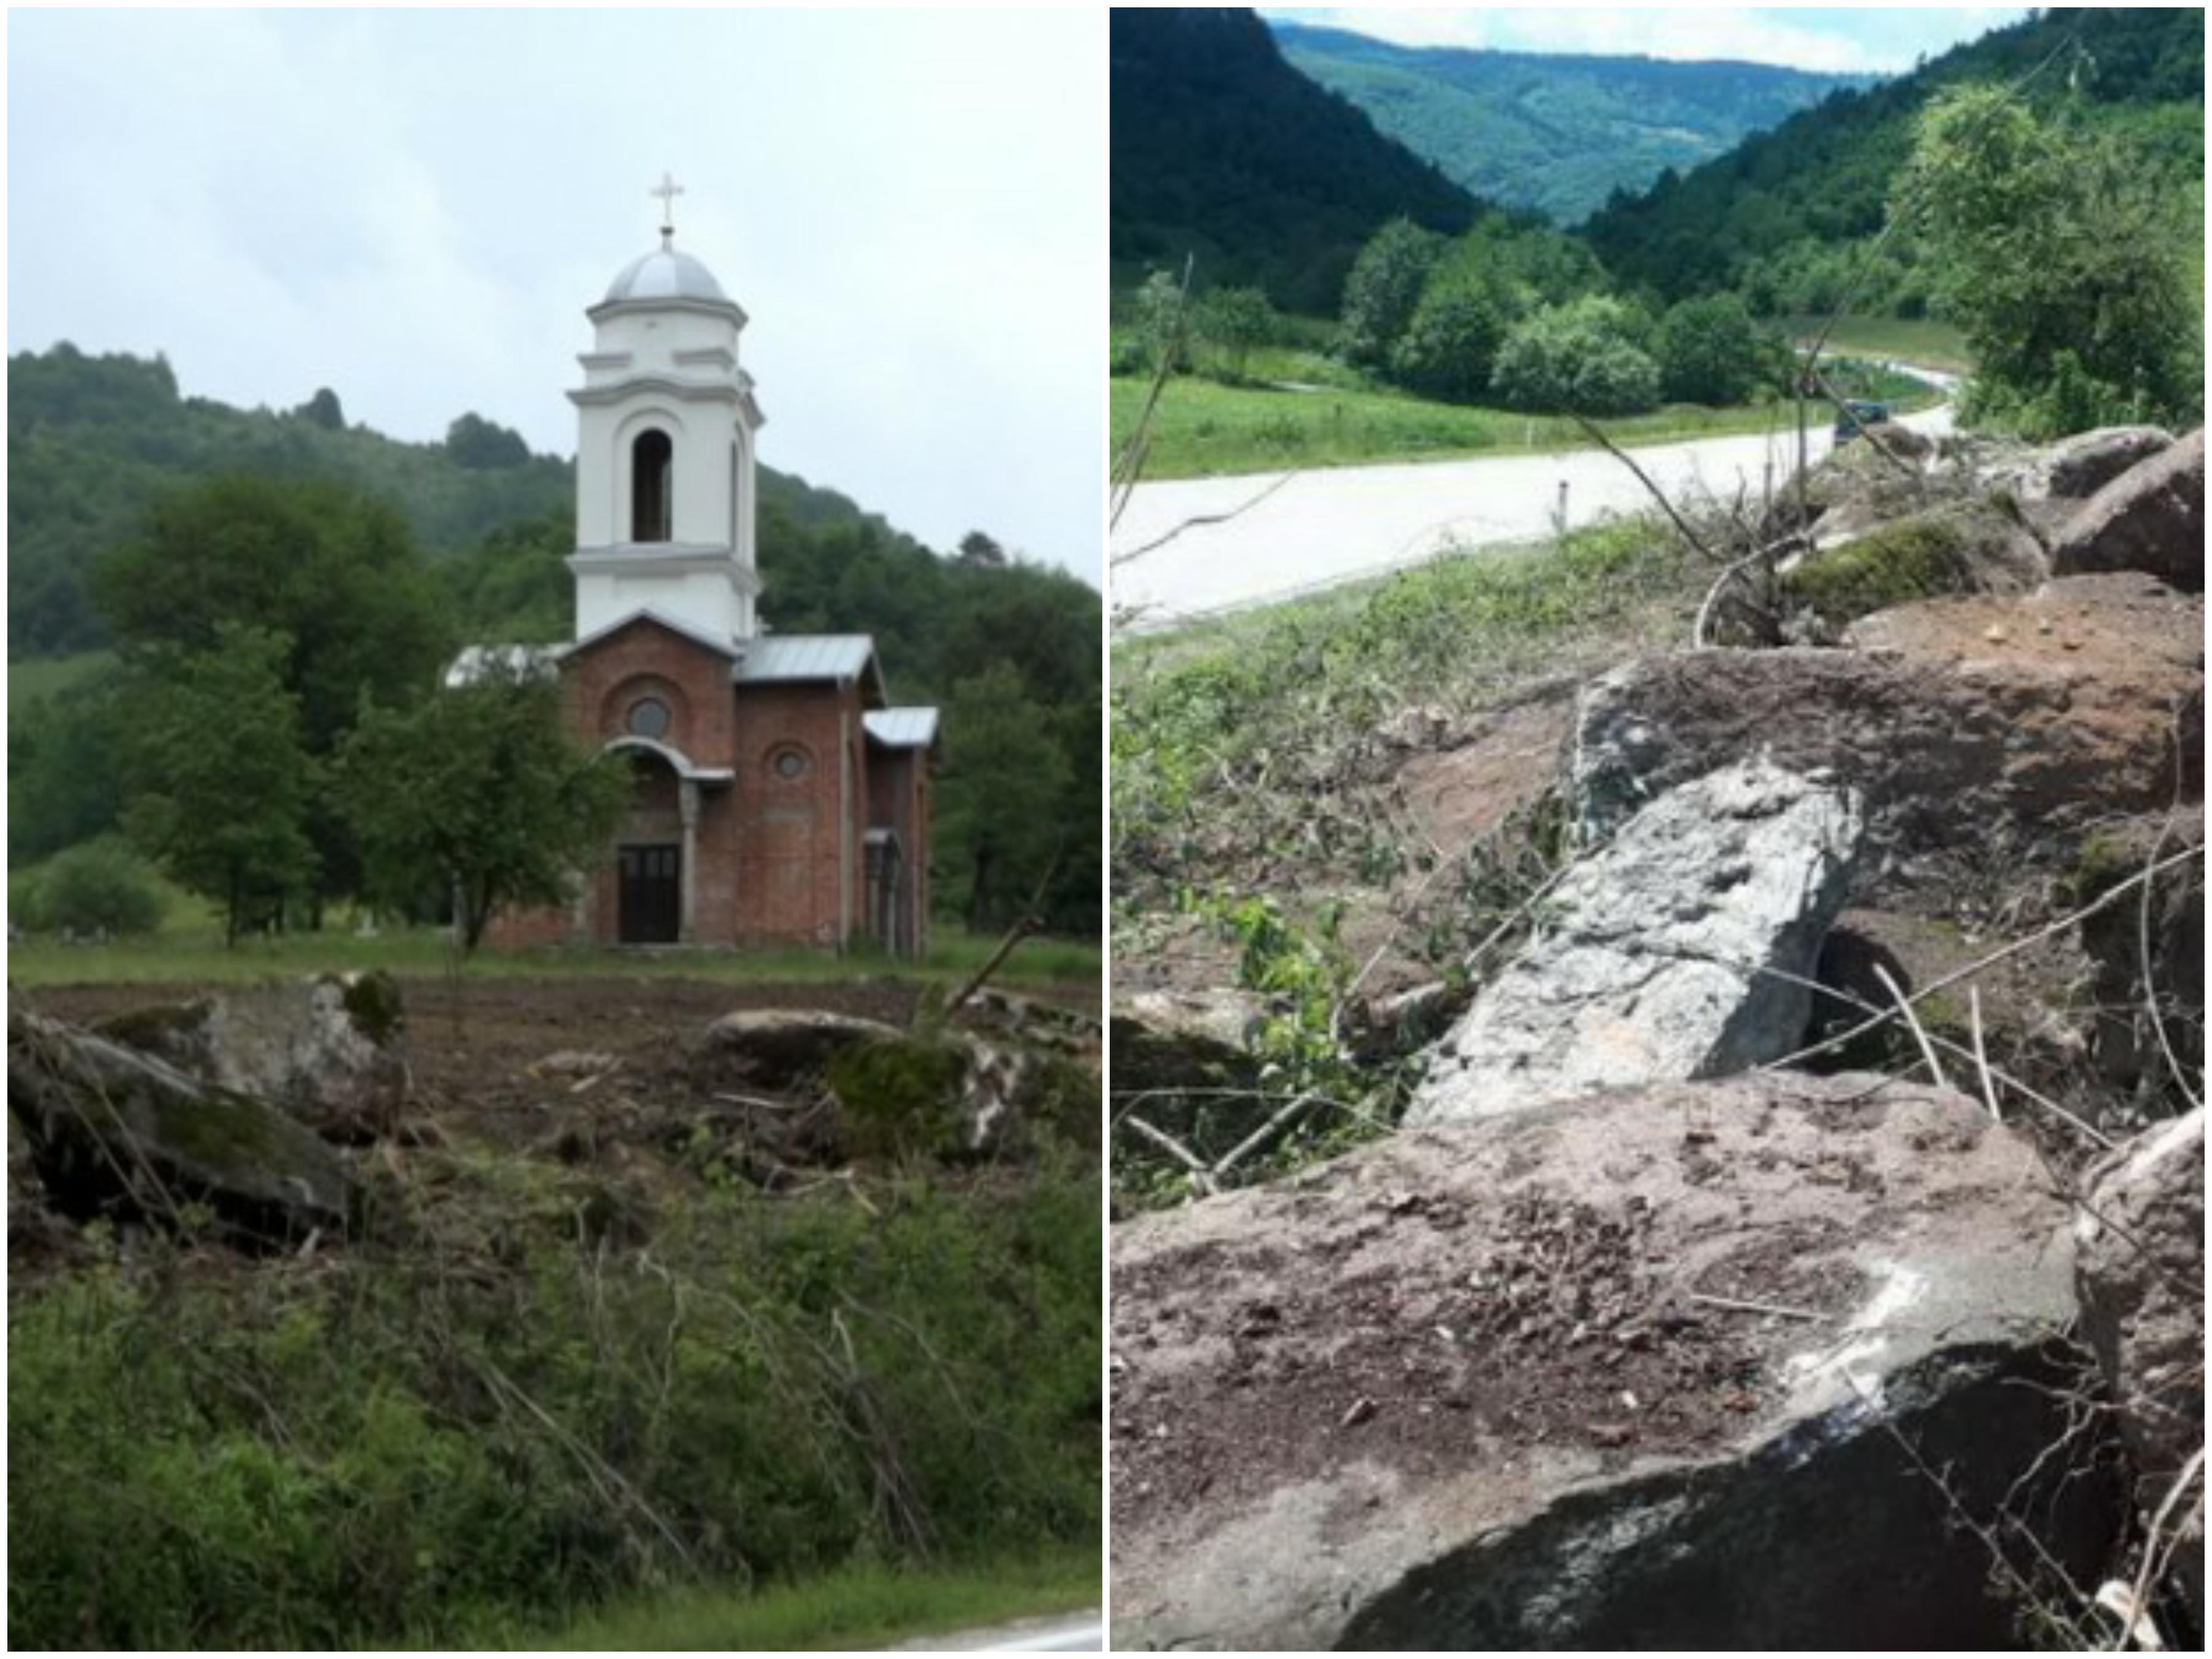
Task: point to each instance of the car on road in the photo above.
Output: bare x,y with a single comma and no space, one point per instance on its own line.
1856,416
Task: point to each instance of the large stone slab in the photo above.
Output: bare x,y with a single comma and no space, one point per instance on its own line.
114,1132
1958,718
1682,949
2151,518
2140,1240
329,1050
1506,1384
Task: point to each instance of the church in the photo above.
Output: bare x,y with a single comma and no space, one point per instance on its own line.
777,796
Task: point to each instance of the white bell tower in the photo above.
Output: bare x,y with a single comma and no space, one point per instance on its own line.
665,425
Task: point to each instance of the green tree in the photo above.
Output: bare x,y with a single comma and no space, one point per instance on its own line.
481,787
1709,352
227,783
1385,288
1001,799
102,886
1163,323
979,549
484,446
1451,345
1236,322
1585,357
323,409
334,575
2063,271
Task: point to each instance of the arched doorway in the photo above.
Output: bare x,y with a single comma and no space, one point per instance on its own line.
649,874
651,487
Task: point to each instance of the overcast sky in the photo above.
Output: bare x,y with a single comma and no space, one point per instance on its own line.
414,208
1839,39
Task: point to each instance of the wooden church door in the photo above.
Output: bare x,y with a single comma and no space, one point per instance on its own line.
651,895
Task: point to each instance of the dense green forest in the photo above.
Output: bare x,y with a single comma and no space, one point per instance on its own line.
1222,151
1781,219
1555,132
98,447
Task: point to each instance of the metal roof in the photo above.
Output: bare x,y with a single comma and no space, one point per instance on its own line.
901,728
770,658
478,662
665,274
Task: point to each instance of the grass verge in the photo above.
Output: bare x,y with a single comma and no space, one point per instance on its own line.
1202,428
866,1606
190,951
1921,340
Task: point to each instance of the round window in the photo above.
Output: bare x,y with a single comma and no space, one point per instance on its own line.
791,763
649,718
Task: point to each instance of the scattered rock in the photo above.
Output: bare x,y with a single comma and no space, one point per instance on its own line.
1180,1040
1682,949
115,1131
1643,1368
329,1049
2151,518
2076,468
2140,1240
575,1062
1860,567
783,1048
2126,1047
1945,735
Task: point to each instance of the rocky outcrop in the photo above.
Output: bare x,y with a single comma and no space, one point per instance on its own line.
2140,1240
1637,1371
1683,948
1165,1040
116,1133
2127,1047
945,1093
2150,519
329,1050
1859,565
2076,468
1961,716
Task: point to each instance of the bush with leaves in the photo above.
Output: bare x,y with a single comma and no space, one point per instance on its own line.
1447,348
1233,322
1585,357
1710,352
103,886
1384,288
2062,264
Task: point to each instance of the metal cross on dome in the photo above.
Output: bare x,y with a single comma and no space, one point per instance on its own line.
667,189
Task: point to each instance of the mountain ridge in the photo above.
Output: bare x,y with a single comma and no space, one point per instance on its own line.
1556,132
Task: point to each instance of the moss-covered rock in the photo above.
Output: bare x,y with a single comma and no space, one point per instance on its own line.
114,1132
1979,546
903,1094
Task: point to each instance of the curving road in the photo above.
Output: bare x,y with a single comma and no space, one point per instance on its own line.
1082,1632
1281,534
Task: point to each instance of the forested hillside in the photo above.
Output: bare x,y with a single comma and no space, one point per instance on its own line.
1555,132
1223,151
1778,218
1010,648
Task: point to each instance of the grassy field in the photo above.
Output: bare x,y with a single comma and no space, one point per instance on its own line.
42,677
1920,340
1202,428
191,950
864,1607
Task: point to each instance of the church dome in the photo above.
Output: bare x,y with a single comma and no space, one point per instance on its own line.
665,274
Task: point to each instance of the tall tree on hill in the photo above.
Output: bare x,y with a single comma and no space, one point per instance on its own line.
1000,799
480,786
2060,267
226,785
335,577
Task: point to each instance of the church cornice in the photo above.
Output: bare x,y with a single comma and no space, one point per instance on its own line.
728,310
693,392
664,559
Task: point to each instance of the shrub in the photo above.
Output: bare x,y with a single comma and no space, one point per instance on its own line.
1585,357
1234,322
1709,352
1383,288
99,887
1447,348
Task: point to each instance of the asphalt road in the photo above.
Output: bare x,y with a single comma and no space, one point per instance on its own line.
1338,523
1082,1632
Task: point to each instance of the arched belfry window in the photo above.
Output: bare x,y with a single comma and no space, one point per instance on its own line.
651,487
